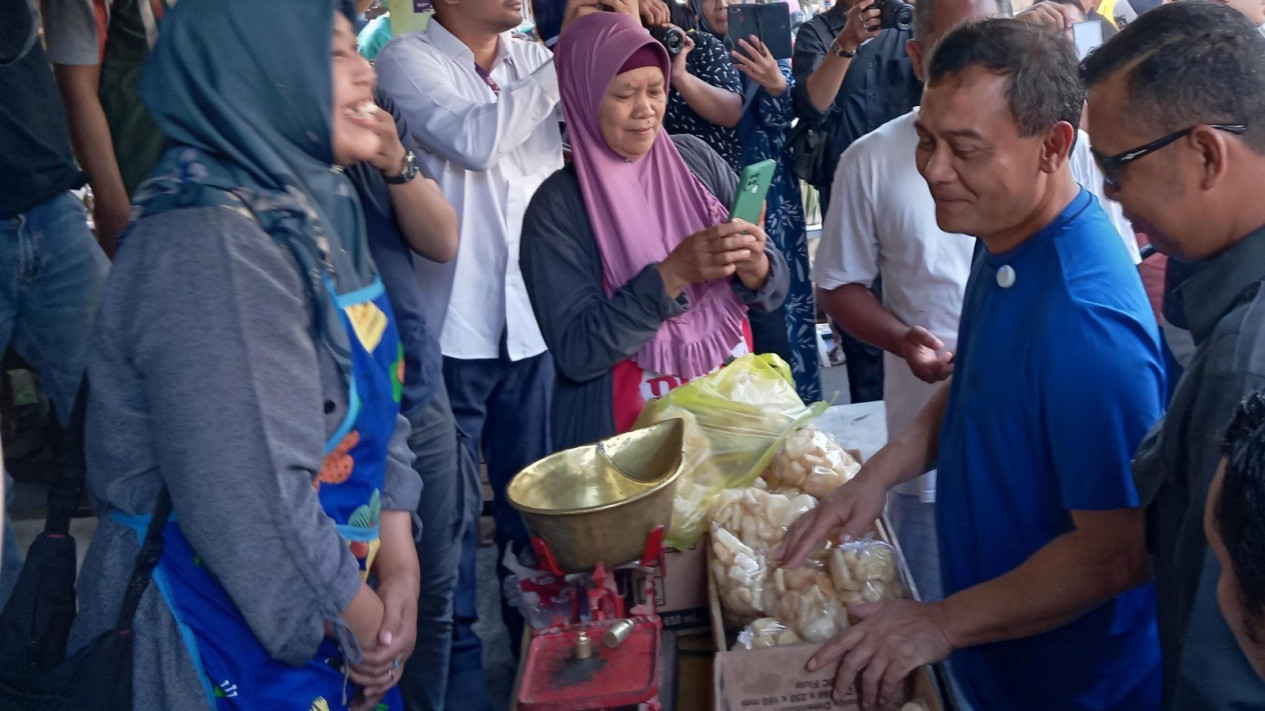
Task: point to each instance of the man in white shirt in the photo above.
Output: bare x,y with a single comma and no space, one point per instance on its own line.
483,117
883,222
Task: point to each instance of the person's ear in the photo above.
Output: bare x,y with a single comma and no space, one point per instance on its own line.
1057,146
1214,150
914,50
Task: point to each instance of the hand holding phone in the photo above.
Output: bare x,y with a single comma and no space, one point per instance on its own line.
748,206
754,60
770,22
730,248
717,252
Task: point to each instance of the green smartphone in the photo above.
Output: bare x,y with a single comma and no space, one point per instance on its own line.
752,187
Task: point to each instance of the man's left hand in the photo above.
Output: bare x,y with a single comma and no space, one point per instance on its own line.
390,156
891,641
655,13
926,356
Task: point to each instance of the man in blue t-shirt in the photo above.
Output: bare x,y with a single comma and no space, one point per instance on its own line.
1058,376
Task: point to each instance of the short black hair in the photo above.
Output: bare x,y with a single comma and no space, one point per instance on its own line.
924,19
1188,63
1239,513
1044,88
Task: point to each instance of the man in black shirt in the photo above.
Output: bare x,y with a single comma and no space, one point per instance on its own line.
51,269
851,77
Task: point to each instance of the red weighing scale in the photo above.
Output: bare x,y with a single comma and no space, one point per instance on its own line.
611,661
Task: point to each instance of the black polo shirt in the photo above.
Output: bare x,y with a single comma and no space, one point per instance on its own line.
879,86
36,162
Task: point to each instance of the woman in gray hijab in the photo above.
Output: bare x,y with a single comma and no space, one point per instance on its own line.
247,365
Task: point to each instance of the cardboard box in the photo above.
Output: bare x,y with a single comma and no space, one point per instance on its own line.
774,678
681,590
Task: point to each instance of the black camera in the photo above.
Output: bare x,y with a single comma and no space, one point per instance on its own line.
894,14
672,39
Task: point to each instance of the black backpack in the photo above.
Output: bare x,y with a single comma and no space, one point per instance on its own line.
35,674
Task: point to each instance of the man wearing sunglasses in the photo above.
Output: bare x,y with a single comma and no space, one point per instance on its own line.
1177,123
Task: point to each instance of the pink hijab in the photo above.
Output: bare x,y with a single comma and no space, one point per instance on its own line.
641,210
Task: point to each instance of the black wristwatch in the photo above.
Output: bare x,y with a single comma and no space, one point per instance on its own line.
410,171
840,51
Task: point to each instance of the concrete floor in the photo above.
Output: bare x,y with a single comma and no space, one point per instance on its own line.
498,664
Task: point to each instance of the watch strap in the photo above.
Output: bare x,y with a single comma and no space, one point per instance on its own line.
410,171
840,51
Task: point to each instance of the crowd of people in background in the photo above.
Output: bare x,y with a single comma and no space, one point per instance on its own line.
324,281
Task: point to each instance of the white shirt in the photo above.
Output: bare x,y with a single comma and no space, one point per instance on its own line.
1086,172
882,220
488,153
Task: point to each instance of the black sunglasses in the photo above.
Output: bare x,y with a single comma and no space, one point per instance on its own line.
1111,165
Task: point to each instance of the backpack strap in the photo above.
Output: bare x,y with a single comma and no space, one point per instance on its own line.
146,560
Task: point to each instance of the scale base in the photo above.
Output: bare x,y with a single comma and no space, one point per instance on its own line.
555,680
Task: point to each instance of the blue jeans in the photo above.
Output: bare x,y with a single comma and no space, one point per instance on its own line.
449,483
503,406
52,274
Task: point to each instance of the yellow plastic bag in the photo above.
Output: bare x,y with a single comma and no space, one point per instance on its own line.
735,421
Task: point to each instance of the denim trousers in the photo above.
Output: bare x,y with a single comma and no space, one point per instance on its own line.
52,275
503,406
449,483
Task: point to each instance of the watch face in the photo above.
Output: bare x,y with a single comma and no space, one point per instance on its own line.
409,172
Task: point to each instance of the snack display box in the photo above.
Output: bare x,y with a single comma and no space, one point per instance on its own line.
775,678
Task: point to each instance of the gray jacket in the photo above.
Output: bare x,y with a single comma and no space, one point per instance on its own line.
1225,309
205,377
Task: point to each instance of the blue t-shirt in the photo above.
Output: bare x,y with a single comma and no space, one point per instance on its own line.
1058,376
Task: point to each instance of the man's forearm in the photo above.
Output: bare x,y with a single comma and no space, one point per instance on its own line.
712,103
1068,577
859,312
89,129
426,219
824,83
90,137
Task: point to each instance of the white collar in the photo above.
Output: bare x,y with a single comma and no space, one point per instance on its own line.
455,49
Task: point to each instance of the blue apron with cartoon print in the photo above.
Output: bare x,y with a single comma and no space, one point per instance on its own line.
237,672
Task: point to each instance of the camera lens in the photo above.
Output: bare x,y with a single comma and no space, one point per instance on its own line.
671,38
895,14
904,17
673,41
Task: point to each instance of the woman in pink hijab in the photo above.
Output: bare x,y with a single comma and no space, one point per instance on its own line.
639,279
